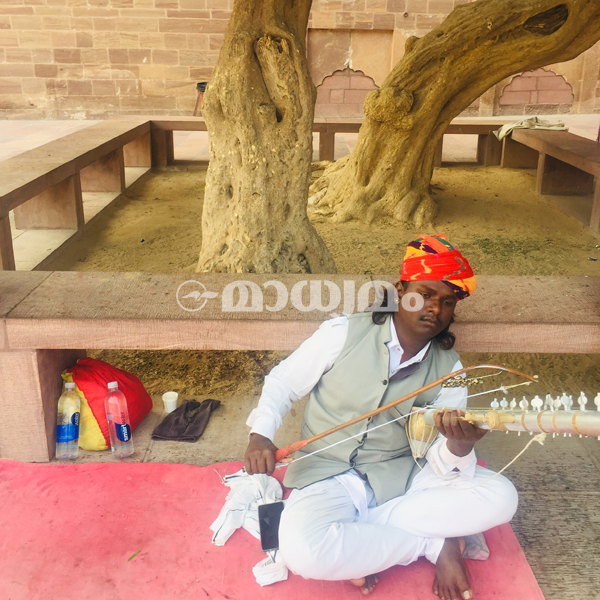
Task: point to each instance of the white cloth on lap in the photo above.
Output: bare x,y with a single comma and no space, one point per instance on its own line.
247,493
242,502
270,570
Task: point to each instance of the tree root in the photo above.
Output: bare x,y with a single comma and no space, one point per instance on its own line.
337,197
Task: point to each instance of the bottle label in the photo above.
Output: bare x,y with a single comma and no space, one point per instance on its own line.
69,432
123,431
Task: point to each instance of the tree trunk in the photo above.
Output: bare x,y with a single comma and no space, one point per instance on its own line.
478,45
259,110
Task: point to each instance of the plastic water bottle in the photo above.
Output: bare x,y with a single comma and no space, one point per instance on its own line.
119,427
67,424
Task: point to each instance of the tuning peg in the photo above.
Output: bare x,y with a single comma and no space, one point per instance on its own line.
565,401
523,404
504,403
513,403
537,403
494,404
582,401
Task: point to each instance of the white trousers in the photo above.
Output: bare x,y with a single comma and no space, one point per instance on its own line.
334,530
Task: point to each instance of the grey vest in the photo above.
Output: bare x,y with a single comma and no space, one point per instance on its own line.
358,383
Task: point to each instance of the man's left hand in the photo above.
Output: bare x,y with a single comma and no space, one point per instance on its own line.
461,434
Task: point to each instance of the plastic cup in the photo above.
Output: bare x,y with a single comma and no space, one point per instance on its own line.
170,400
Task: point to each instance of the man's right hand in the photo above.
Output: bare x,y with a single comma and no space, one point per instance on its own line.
260,455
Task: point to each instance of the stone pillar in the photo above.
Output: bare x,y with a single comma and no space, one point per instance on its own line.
58,207
7,257
586,100
487,103
326,146
162,147
595,220
489,150
555,177
138,153
30,385
518,156
439,149
107,174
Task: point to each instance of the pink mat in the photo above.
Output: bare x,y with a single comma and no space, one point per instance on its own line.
67,531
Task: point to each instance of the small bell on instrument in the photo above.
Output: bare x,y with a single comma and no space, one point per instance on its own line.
537,403
564,400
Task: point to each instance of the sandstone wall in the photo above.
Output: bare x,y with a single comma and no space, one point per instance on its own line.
96,58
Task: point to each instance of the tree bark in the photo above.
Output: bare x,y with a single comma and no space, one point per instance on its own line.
478,45
259,109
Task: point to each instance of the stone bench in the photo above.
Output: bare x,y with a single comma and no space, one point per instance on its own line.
49,319
44,185
566,164
489,149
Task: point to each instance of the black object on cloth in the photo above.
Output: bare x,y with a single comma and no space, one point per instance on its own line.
186,423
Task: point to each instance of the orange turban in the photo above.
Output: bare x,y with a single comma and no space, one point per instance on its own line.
434,258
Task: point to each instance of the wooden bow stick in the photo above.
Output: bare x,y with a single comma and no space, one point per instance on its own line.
283,452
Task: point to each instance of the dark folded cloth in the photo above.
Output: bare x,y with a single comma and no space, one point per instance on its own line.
186,423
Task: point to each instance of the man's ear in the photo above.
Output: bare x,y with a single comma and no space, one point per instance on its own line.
400,288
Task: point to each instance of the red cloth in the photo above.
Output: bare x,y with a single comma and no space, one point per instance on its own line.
434,258
67,531
92,377
436,267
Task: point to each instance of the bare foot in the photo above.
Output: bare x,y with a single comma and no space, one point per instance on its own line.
451,580
366,584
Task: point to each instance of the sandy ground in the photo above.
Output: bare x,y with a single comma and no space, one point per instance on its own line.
493,215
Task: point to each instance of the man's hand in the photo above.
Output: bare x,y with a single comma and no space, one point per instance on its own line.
260,455
460,434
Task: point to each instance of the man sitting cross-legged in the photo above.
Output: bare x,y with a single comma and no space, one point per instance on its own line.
363,506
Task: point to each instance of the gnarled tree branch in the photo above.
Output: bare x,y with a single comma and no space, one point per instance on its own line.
478,45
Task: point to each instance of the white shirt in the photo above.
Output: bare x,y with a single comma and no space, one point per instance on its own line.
296,376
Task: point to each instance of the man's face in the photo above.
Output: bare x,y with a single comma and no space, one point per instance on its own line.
436,313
